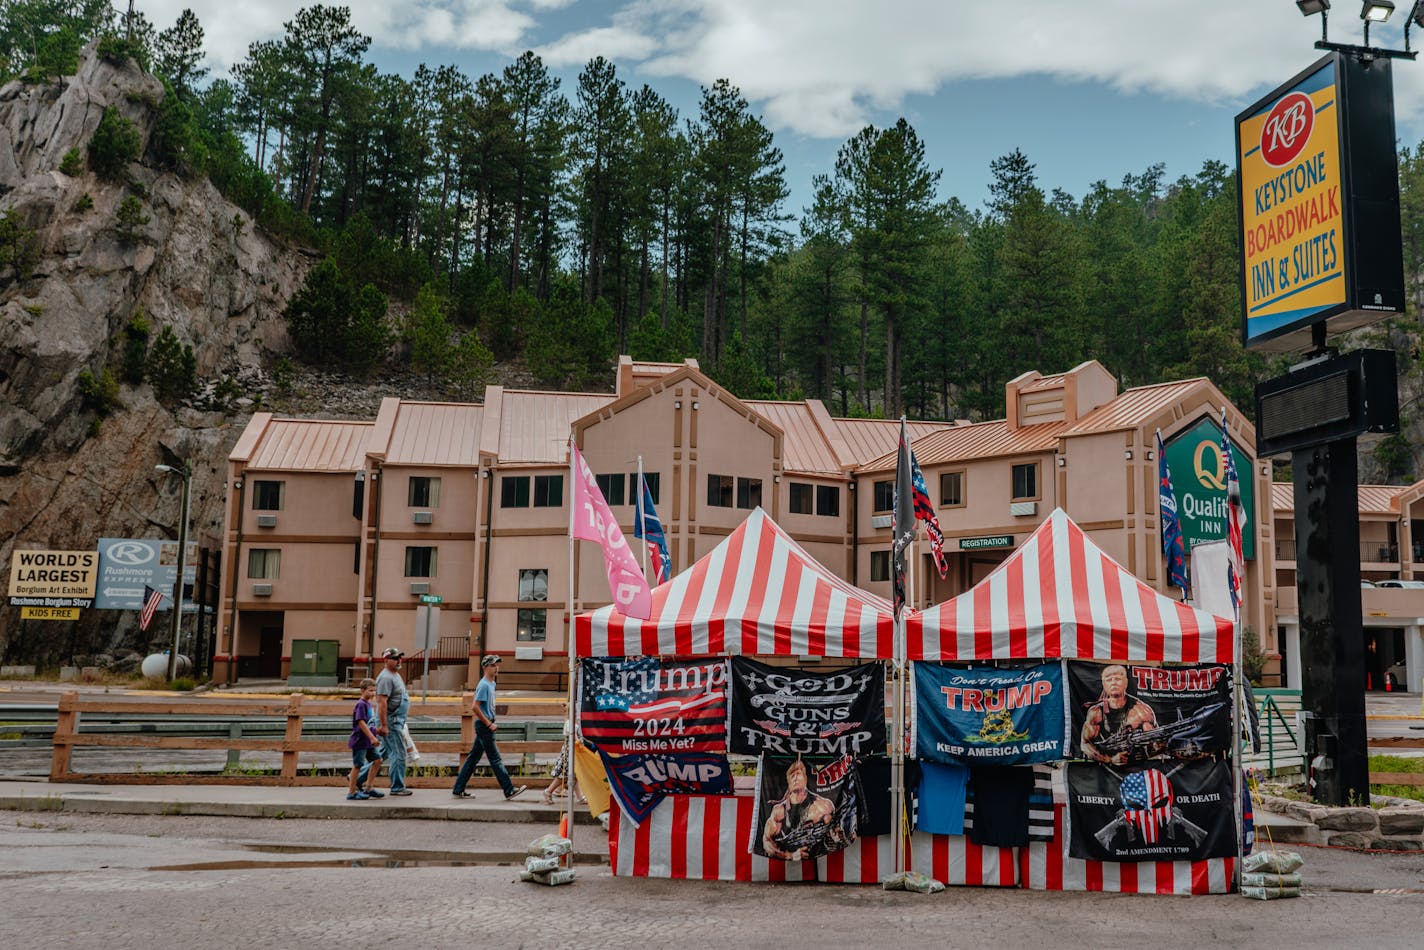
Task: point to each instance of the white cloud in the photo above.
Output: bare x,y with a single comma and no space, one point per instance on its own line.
615,43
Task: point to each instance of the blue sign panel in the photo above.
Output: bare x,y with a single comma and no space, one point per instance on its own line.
989,716
127,565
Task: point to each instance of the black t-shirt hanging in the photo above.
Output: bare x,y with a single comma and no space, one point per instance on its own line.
1001,799
875,786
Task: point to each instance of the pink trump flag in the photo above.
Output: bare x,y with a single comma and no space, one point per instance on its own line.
592,521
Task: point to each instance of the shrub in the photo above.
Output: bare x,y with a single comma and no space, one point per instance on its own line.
98,394
174,145
172,368
83,203
118,50
331,321
136,334
19,245
73,163
114,144
130,219
57,54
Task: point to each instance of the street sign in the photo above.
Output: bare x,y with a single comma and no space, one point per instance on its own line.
431,599
49,613
127,564
427,627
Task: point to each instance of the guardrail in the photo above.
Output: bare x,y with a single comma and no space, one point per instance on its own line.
297,720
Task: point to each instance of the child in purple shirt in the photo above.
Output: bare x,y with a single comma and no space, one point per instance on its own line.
363,741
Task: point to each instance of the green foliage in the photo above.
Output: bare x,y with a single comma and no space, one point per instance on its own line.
114,144
366,256
469,367
175,144
98,394
427,332
56,54
1253,658
136,334
120,50
83,203
332,321
282,375
129,220
172,369
572,345
73,163
178,52
19,246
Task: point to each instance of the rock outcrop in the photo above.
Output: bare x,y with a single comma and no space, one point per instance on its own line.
198,266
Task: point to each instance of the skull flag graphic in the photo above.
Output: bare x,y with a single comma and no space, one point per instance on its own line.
1176,812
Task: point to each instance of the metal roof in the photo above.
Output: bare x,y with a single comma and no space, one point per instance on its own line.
311,445
1045,382
804,447
1132,408
981,441
868,439
1373,499
534,426
436,433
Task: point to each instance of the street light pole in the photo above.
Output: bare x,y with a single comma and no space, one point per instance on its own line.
187,475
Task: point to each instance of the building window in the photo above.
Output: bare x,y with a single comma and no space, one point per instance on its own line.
264,563
801,498
612,487
514,491
951,490
423,492
879,565
884,496
1026,481
420,562
720,490
534,584
652,480
748,492
268,496
531,625
548,491
828,500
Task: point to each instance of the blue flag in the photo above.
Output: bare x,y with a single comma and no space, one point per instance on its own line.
640,782
1172,547
649,527
987,716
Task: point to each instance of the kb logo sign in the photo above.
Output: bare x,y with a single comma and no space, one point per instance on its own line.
1287,129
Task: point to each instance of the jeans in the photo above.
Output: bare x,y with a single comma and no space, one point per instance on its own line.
484,744
393,751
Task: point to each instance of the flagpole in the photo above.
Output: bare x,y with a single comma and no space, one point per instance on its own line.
571,648
640,518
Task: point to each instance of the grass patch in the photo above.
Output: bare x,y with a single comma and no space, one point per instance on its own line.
1398,763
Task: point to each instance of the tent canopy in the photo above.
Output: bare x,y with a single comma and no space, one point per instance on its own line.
756,593
1059,595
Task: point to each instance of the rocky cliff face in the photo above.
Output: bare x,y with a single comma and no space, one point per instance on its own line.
198,266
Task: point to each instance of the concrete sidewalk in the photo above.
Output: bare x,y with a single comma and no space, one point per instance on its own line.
251,801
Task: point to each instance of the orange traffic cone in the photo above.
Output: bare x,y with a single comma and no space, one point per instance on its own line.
564,825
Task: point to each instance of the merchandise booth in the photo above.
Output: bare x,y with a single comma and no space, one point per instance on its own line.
758,593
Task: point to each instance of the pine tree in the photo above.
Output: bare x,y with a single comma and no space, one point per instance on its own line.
179,51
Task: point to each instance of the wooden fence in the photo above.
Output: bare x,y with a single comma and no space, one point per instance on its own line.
68,736
1396,778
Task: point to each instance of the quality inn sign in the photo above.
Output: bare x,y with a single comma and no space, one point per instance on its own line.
1199,481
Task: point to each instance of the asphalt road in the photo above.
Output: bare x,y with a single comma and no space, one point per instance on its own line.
119,882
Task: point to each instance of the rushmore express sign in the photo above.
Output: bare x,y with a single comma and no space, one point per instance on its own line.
1319,207
1199,481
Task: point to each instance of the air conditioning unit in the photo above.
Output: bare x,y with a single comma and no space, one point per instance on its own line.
266,521
882,521
420,587
1022,509
261,590
423,517
529,653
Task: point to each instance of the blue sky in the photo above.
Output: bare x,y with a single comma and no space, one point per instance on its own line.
1088,89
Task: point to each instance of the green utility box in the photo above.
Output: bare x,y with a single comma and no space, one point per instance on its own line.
313,663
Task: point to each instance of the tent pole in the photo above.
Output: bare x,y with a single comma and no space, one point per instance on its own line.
1237,773
571,647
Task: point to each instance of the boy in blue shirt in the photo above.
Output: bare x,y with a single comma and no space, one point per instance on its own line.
484,736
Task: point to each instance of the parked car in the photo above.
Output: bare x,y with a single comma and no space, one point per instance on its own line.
1397,677
1408,585
1366,584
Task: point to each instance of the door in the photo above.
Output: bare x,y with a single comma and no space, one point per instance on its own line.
269,653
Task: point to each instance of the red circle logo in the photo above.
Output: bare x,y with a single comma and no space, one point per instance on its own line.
1287,129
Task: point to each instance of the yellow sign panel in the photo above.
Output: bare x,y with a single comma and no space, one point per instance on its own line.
53,573
49,613
1292,226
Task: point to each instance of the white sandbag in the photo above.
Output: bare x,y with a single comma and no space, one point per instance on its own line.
913,881
1270,880
1269,893
549,846
1274,862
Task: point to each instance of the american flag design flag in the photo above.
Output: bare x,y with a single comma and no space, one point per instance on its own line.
925,511
651,705
151,600
1172,546
648,526
1234,519
1147,803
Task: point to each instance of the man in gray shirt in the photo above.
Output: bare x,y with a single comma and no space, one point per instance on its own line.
392,703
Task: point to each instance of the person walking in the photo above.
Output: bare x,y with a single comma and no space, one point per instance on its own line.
484,736
363,743
392,703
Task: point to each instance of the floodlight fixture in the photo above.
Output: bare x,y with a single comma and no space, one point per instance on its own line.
1377,11
1312,7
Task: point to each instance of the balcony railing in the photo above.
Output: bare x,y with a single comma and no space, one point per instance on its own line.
1379,552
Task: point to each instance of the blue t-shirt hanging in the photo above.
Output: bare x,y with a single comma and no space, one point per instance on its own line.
989,716
941,806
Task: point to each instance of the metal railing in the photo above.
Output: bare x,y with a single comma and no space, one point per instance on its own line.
1379,552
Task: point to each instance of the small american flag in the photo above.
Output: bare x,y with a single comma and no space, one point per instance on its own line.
151,599
1234,520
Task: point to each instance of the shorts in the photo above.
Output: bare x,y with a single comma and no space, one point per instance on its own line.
360,757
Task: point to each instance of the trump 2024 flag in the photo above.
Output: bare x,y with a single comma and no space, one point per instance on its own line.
592,521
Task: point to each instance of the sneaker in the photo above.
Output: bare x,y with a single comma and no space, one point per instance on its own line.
400,791
463,794
357,797
372,793
518,790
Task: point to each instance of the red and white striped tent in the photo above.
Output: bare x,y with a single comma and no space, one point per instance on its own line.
1059,595
756,593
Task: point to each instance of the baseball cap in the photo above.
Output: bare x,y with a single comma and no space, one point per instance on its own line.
489,661
391,652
